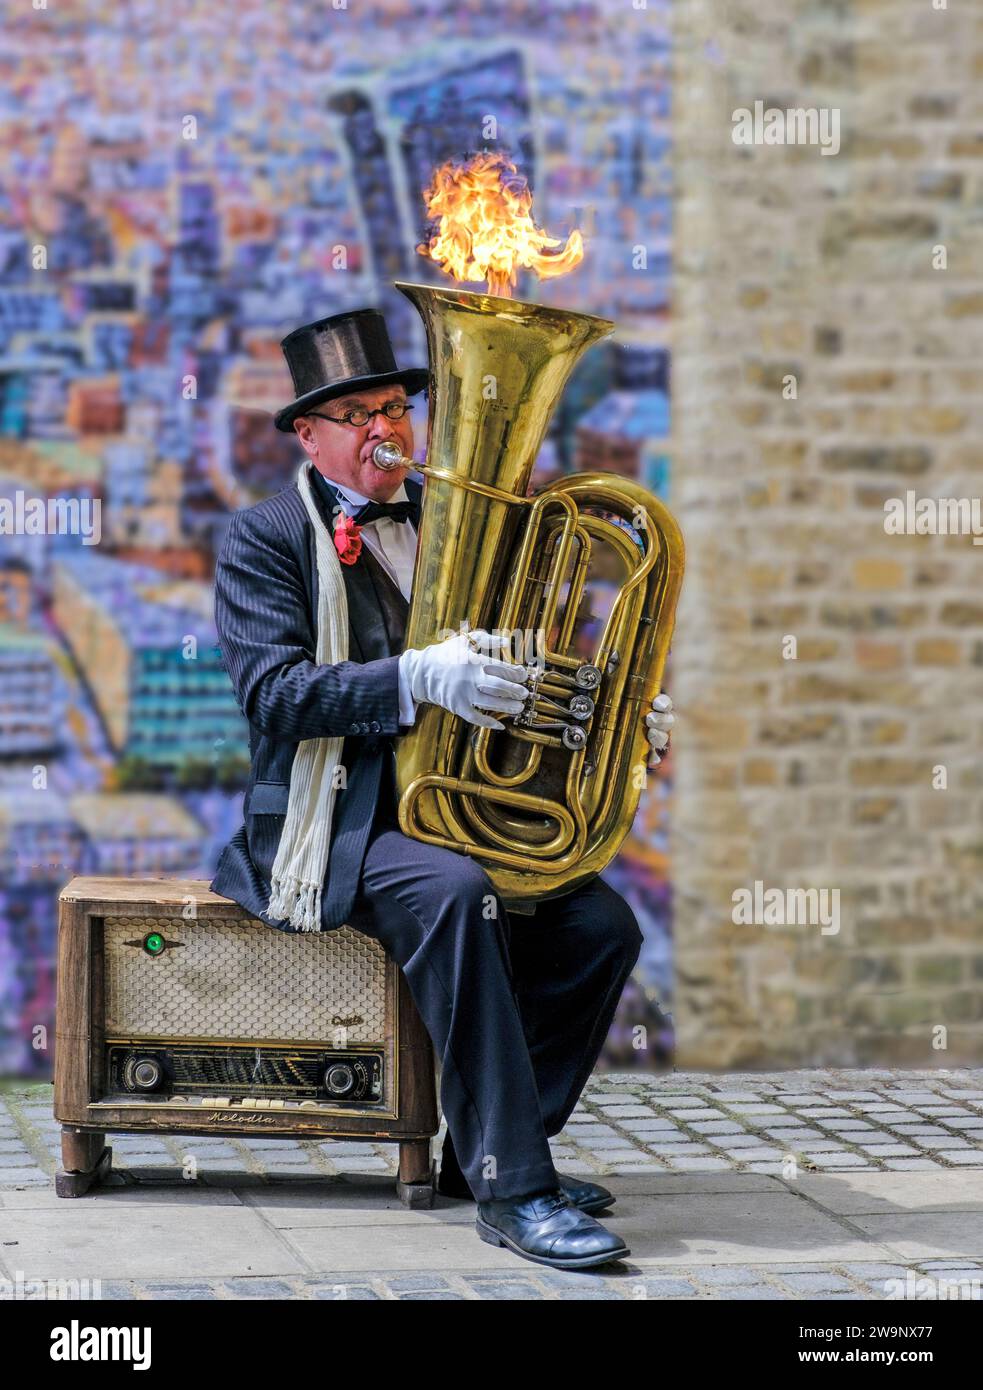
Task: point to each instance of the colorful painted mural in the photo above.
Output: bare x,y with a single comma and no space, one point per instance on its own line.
179,187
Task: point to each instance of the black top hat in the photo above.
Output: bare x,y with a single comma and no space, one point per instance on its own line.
346,352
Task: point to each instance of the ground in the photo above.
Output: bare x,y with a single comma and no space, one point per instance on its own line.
809,1184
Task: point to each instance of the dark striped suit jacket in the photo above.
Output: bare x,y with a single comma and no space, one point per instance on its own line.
265,612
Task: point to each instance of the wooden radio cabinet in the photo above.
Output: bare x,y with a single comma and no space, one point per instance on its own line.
178,1013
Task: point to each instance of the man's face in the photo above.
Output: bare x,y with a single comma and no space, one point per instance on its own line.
343,452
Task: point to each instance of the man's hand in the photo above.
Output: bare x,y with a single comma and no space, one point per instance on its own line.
657,726
467,681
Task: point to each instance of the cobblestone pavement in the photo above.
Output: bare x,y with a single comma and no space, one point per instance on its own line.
807,1184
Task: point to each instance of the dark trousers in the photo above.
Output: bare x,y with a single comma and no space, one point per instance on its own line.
517,1007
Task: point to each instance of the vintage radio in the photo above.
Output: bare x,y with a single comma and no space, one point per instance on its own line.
179,1013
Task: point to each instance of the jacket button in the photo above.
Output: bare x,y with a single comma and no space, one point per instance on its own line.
365,728
353,729
376,727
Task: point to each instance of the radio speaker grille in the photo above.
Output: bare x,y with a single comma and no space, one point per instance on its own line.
238,978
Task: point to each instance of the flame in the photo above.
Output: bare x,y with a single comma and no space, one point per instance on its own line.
485,229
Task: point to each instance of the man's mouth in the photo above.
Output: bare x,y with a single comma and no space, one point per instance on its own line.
370,448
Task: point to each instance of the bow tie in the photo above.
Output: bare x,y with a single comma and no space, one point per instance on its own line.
396,511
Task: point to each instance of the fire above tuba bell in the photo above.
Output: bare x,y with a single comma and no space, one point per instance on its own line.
544,804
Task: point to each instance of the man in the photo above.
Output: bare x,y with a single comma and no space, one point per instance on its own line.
517,1010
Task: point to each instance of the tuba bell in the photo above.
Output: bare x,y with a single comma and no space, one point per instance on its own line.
545,804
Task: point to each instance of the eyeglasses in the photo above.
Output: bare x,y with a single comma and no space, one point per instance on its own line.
359,415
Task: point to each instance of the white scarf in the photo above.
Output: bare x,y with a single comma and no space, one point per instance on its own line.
302,855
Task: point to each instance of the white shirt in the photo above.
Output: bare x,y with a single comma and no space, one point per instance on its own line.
393,543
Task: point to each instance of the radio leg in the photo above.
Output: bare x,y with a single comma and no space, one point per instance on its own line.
86,1160
417,1173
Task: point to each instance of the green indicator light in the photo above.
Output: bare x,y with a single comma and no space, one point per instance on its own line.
153,943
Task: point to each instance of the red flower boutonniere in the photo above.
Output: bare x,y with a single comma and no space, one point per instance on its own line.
347,539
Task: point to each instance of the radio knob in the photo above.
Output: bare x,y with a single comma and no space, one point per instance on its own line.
142,1074
339,1079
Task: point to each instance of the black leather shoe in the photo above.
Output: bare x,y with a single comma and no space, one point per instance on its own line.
549,1230
588,1196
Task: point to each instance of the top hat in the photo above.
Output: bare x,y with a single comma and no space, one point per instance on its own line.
346,352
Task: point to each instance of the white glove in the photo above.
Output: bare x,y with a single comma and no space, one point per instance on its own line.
466,682
657,727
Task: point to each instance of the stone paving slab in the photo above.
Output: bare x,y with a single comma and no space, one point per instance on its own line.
409,1248
876,1194
119,1199
926,1235
89,1242
355,1203
736,1229
816,1183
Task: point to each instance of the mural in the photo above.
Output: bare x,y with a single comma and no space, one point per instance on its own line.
179,187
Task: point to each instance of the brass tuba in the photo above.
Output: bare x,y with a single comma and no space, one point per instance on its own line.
545,804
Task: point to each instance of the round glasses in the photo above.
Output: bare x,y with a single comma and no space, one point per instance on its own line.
359,415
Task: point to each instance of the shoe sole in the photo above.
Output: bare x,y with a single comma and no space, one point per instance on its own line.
493,1237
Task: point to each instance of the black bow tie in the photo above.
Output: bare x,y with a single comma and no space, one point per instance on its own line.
396,511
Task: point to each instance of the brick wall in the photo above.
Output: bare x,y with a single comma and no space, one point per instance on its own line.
818,771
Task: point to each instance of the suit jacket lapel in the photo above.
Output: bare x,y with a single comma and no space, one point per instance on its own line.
355,593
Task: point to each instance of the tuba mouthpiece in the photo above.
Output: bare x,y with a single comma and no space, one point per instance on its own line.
388,456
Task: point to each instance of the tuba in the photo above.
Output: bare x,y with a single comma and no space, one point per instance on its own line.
544,804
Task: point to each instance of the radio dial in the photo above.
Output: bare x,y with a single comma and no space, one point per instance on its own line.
142,1074
339,1079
